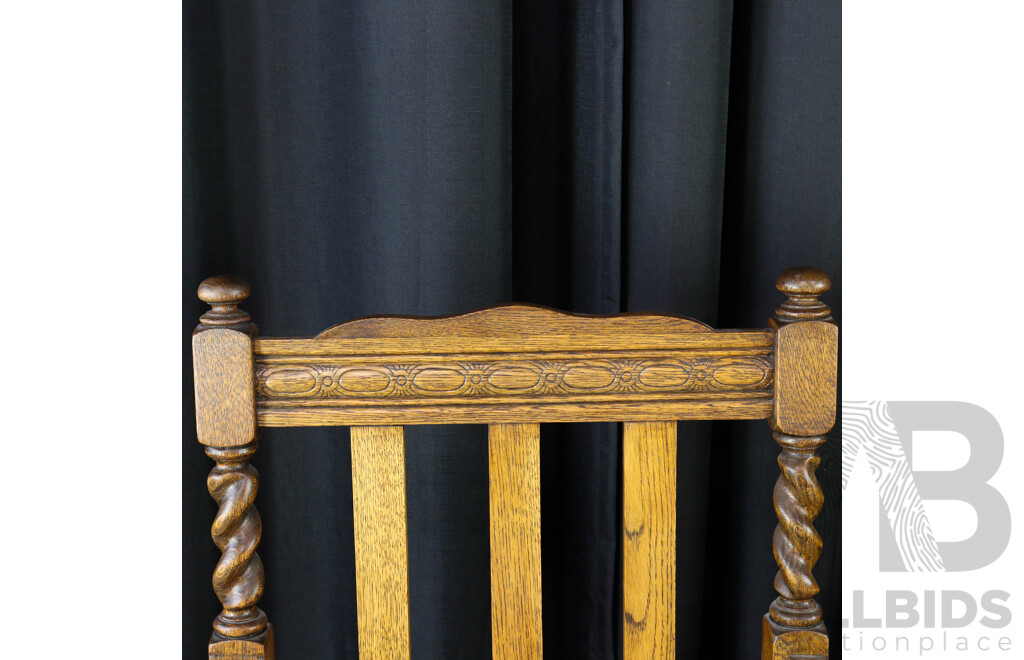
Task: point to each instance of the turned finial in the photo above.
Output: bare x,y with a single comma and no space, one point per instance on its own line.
803,286
224,293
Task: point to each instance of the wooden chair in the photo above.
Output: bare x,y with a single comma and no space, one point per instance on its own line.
514,367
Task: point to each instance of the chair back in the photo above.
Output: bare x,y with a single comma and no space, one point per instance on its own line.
514,368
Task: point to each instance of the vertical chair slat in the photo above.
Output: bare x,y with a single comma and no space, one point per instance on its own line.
649,540
515,541
381,542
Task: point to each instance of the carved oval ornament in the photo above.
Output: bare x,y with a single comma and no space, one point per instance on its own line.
290,381
514,377
737,372
589,377
439,380
364,381
664,375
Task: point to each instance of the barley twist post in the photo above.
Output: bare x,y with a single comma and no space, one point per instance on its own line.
806,351
238,578
796,544
226,424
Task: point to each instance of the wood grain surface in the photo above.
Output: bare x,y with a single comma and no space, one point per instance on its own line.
784,643
649,540
455,345
381,542
806,363
705,406
222,364
516,625
258,647
511,321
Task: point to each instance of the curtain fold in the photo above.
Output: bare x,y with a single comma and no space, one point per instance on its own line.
361,158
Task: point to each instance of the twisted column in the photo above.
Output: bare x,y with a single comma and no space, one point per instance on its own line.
804,410
238,578
226,425
796,544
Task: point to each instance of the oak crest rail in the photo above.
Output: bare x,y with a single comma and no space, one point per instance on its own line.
514,367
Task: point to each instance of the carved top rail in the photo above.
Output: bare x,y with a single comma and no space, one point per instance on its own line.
514,364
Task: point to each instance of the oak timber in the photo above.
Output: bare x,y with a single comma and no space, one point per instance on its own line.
514,459
381,542
649,540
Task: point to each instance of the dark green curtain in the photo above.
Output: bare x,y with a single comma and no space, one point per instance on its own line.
370,157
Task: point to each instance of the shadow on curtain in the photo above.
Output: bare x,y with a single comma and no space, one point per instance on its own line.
373,157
